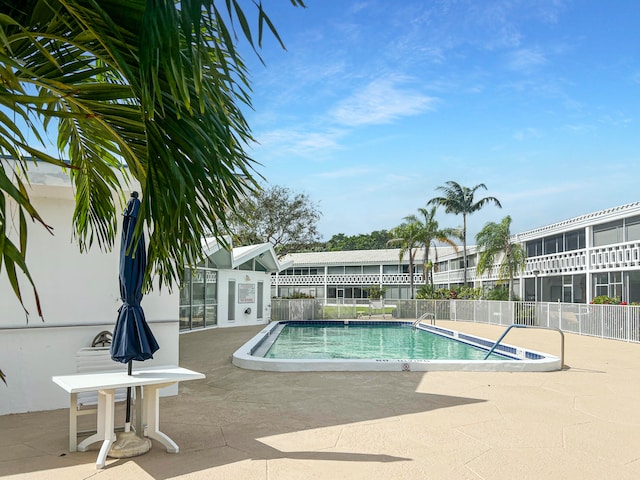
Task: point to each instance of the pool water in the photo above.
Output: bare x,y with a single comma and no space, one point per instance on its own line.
369,341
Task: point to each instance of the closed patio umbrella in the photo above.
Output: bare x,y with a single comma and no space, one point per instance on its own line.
132,337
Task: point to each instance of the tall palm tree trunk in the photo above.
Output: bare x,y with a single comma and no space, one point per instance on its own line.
464,246
411,254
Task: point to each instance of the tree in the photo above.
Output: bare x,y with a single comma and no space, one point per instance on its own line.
431,233
152,89
408,237
153,86
276,215
460,200
365,241
495,240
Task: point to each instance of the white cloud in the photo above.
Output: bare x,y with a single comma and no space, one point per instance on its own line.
526,59
526,134
579,128
345,173
286,142
543,192
381,101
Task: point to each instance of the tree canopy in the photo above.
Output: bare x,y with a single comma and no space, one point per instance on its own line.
494,241
364,241
460,200
408,236
276,214
430,235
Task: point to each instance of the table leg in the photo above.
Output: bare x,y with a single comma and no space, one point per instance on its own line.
137,425
105,426
151,417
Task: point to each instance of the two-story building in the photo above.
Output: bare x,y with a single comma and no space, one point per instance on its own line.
569,261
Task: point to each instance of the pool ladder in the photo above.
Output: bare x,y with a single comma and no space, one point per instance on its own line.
424,316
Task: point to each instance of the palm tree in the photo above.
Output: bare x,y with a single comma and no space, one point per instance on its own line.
408,237
152,89
460,200
495,240
431,233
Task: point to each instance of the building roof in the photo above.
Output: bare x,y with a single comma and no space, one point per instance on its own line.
601,216
262,253
361,257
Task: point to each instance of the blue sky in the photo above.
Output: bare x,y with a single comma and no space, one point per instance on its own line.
376,103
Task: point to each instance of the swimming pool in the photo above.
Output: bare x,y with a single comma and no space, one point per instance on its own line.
315,346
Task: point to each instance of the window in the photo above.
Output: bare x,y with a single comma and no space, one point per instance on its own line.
609,284
615,284
632,229
534,248
390,269
574,240
392,293
211,298
553,244
353,269
607,233
260,301
335,270
231,304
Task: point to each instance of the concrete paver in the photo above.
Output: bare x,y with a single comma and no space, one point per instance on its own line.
582,422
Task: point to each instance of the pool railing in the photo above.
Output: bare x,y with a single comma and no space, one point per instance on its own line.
616,322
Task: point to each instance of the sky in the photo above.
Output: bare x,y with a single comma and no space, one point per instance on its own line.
376,103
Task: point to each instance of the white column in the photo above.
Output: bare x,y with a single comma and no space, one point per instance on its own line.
589,282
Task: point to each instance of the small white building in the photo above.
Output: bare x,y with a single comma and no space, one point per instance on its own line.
80,297
230,288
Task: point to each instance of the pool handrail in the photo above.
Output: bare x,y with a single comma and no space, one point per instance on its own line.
519,325
423,317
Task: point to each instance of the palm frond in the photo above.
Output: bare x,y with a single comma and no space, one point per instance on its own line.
152,90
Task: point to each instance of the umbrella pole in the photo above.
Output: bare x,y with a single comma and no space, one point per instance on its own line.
127,424
129,444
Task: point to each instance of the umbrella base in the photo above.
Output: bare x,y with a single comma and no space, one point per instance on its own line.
128,445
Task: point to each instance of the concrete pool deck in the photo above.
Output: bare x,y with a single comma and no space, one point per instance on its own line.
579,423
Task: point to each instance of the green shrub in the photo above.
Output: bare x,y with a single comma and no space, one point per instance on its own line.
375,292
500,293
297,296
606,300
463,293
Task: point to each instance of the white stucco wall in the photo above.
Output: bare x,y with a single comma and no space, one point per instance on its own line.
243,277
79,295
29,357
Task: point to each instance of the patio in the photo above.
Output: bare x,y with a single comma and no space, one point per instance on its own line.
582,422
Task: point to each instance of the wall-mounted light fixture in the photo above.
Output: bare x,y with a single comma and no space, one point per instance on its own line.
248,311
247,278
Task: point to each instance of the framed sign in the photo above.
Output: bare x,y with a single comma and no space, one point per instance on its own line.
246,293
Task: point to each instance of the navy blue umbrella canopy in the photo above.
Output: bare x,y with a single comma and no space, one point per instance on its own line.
132,337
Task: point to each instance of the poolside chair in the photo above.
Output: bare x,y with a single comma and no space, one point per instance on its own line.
92,359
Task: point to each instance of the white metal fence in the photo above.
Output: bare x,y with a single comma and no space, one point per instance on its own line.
618,322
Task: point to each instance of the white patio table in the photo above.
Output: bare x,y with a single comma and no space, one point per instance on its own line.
150,380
